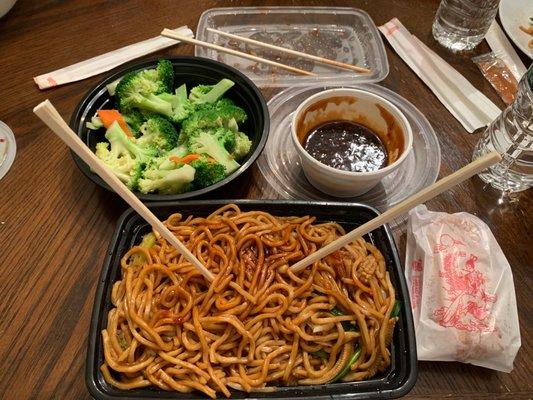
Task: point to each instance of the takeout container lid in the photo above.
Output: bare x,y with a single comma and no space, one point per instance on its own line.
348,35
396,382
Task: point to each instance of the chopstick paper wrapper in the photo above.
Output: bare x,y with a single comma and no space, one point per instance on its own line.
467,104
107,61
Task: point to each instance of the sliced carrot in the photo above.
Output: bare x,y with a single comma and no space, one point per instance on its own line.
185,160
110,116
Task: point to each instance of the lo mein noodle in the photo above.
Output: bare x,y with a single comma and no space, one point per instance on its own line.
258,325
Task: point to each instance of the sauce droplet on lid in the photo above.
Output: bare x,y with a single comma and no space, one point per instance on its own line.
347,146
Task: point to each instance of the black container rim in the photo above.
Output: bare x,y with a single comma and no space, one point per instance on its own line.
99,89
405,386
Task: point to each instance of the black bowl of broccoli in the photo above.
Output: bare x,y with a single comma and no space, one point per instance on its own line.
173,129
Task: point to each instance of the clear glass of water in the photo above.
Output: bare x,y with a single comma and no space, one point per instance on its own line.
511,135
462,24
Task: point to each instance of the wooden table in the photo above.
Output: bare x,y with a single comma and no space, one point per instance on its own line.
55,225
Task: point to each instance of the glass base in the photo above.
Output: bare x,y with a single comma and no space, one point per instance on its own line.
454,41
500,183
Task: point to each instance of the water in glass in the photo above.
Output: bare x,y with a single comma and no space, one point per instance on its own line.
511,134
462,24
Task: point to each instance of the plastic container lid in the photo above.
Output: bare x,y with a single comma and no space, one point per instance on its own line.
280,164
340,33
8,148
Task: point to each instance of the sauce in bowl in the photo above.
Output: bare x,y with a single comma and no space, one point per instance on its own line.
346,145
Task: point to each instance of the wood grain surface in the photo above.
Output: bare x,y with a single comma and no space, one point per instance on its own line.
55,225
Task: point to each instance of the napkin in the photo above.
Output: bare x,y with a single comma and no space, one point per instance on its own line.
467,104
107,61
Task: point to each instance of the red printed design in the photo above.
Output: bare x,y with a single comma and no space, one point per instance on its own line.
446,242
416,282
469,303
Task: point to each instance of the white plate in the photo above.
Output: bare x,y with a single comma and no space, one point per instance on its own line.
8,148
514,13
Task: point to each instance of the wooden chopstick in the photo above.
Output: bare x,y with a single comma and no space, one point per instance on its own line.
173,35
292,52
424,195
49,115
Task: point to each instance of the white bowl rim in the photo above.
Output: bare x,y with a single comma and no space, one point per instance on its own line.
408,133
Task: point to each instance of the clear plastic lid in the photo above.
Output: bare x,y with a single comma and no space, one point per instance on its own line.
8,148
340,33
280,164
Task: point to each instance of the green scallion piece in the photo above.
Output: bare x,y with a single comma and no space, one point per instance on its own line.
348,366
396,309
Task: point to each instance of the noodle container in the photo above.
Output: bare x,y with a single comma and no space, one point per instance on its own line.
395,382
362,107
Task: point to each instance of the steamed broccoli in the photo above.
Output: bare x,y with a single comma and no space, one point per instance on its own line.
220,114
148,241
164,161
122,144
167,181
226,137
159,132
181,106
207,173
112,86
95,124
203,142
139,89
243,144
165,74
227,107
134,118
202,94
124,157
126,168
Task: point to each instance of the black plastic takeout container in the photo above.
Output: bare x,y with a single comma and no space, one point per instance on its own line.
396,382
191,71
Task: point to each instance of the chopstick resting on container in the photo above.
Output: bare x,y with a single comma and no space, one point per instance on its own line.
173,35
49,115
292,52
424,195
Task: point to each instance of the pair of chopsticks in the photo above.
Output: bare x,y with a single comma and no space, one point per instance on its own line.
49,115
172,34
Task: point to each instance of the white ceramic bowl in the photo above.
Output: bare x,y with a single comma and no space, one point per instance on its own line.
356,105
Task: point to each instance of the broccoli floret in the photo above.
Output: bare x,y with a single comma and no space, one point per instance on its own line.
207,173
227,138
171,181
126,168
205,143
159,132
134,118
181,106
111,87
165,74
230,110
148,241
121,144
139,89
243,144
214,116
95,124
202,94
